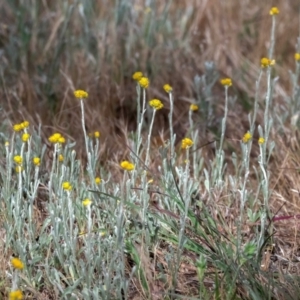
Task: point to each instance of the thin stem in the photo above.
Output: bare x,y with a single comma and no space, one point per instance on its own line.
149,138
224,119
171,123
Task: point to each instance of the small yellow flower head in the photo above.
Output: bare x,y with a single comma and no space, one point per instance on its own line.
6,144
56,138
266,62
95,134
186,143
297,56
97,180
261,140
25,137
18,159
81,94
168,88
156,104
36,161
247,137
60,158
126,165
61,140
137,76
194,107
144,82
67,186
274,11
19,169
24,124
16,295
17,263
227,82
17,127
86,202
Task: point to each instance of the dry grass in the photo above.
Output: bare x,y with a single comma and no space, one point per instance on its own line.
52,51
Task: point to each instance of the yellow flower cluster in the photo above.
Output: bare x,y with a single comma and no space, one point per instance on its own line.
17,263
137,76
67,186
226,82
186,143
25,137
144,82
95,134
60,158
21,126
19,169
126,165
156,104
194,107
56,138
274,11
261,140
266,62
18,159
86,202
80,94
168,88
297,56
16,295
97,180
36,161
247,137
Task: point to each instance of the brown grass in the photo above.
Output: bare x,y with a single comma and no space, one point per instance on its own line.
40,70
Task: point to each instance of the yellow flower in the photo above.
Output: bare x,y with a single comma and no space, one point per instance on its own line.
97,180
144,82
60,158
168,88
61,140
16,295
126,165
17,127
274,11
17,263
81,94
156,104
194,107
261,140
297,56
247,137
137,76
24,124
95,134
18,159
186,143
19,169
25,137
6,144
36,161
226,82
86,202
56,138
266,62
67,186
